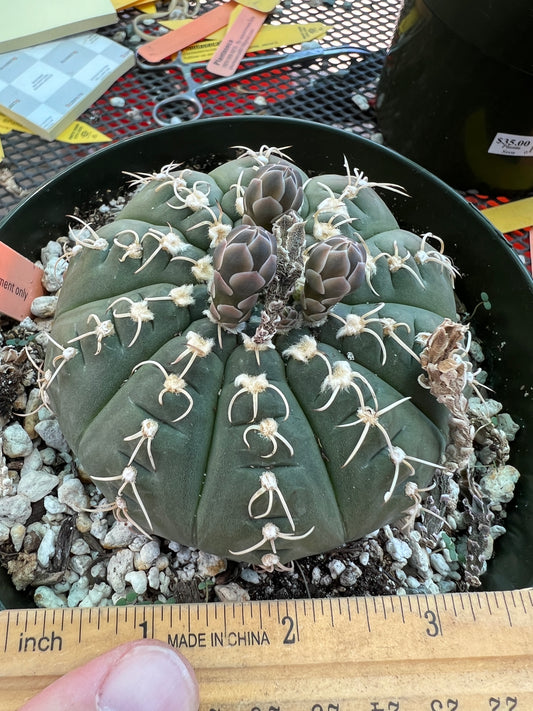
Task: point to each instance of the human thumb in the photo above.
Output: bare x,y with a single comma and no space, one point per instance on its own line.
136,676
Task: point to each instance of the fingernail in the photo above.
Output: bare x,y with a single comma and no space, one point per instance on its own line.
148,677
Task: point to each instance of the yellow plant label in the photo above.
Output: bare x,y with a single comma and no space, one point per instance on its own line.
77,132
125,4
80,132
510,216
261,5
2,154
268,37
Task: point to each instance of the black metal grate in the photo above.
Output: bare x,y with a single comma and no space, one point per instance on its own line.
323,91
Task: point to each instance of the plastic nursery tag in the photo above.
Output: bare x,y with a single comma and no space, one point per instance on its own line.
20,283
2,154
531,251
268,37
125,4
510,216
261,5
77,132
236,42
202,26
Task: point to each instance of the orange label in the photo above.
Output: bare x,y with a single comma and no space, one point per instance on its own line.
236,42
20,283
198,29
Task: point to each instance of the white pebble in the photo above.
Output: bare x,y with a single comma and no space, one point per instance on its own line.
209,565
47,548
153,578
14,509
52,505
4,532
50,432
249,575
78,591
119,565
231,593
18,531
37,484
336,567
46,597
439,564
80,547
364,558
138,581
16,442
72,493
120,535
44,306
500,484
145,558
398,550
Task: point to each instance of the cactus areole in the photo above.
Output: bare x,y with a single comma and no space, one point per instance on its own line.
236,358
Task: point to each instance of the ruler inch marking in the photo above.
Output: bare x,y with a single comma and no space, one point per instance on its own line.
8,623
367,615
507,610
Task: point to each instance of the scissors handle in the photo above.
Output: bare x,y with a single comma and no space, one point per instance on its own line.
193,88
283,60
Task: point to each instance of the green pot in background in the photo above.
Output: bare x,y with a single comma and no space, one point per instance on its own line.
456,91
486,262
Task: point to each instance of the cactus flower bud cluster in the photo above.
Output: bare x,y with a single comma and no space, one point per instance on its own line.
256,389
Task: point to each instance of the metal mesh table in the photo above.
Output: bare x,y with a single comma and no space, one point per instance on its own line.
339,92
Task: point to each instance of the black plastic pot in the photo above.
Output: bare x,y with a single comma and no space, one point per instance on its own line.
485,260
456,91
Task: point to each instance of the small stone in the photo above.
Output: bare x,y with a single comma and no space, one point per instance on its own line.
96,595
4,533
14,509
80,564
316,574
231,593
31,414
50,432
46,597
484,409
336,567
412,582
80,547
119,565
99,528
210,565
47,548
508,426
52,278
138,581
398,550
22,570
153,578
350,576
44,306
72,493
99,570
16,442
78,591
50,252
120,535
439,564
364,558
148,553
32,541
117,101
419,559
500,483
83,522
249,575
52,505
18,533
37,484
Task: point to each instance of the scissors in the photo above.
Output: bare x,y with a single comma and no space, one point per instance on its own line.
190,95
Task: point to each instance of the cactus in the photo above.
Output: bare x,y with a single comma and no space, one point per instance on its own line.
235,359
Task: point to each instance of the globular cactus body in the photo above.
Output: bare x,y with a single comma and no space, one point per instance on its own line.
266,413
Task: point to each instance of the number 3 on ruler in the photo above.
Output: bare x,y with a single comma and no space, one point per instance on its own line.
433,630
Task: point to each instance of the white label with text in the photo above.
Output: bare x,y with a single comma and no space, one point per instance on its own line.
510,144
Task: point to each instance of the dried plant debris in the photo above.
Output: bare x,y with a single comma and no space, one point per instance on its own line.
66,545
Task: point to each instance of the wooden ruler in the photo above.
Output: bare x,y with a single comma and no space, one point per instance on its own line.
456,652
